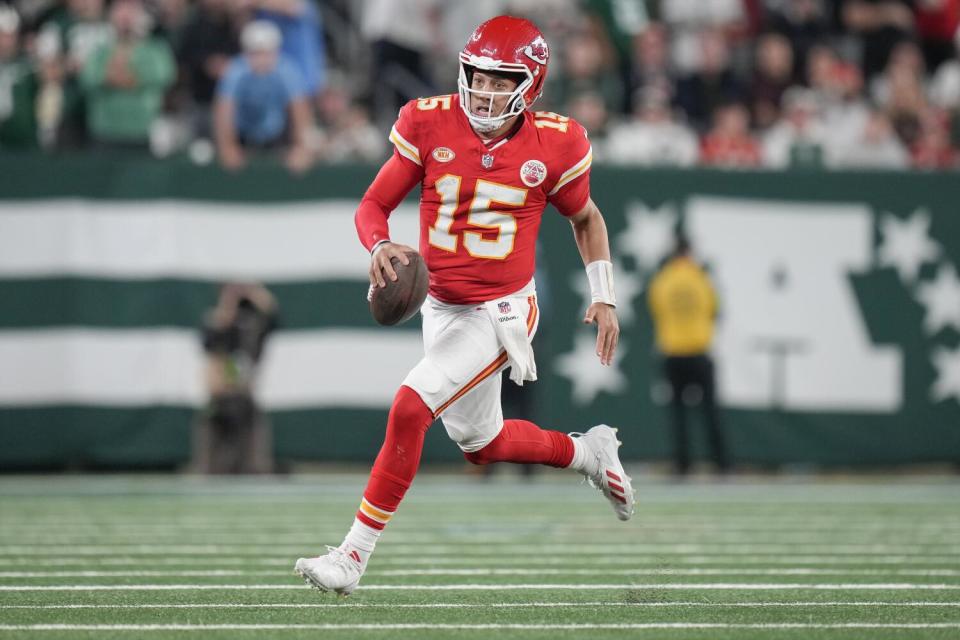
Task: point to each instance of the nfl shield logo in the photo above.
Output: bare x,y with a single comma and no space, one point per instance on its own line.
504,307
487,160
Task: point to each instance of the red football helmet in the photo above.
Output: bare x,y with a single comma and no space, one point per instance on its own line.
504,44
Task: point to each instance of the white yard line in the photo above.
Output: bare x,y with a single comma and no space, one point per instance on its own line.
694,586
461,605
234,523
138,574
54,532
294,533
526,546
474,627
525,549
471,543
792,571
389,559
757,491
489,571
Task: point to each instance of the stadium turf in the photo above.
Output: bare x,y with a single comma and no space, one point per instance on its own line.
135,557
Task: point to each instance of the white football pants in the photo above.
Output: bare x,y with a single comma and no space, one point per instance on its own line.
459,376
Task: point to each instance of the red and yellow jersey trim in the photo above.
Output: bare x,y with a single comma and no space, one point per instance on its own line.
574,172
406,148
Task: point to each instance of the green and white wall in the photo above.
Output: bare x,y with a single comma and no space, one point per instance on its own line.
839,342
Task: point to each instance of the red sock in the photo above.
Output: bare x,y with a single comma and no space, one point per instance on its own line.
524,442
399,457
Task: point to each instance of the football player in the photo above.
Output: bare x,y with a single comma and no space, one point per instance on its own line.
487,165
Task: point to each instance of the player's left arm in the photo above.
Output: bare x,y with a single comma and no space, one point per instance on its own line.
590,233
570,194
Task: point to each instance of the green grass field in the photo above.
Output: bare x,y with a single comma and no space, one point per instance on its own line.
135,557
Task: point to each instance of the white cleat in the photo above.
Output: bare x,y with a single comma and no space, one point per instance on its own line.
608,475
337,571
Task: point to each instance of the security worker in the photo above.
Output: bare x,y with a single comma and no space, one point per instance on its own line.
683,304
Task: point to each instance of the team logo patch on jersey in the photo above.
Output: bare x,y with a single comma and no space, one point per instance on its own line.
443,154
504,307
533,173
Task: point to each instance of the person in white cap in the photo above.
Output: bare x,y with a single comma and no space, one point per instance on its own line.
262,103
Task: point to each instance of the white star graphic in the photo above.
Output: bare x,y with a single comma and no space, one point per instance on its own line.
582,367
947,363
941,297
626,285
907,244
650,233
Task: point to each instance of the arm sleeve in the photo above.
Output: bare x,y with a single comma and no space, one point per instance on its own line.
572,198
392,184
572,189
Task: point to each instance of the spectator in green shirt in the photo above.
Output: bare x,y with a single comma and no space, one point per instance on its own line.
18,86
125,80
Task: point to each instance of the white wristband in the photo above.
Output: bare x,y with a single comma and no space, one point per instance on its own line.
377,246
600,276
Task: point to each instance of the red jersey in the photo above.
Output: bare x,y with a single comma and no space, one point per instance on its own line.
481,201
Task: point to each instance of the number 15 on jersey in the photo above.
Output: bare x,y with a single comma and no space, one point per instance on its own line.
479,215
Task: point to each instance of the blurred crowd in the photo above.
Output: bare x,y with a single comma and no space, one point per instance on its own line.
727,83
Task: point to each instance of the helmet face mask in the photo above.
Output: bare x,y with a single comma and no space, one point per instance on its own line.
515,103
503,46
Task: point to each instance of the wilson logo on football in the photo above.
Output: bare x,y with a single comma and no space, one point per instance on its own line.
533,173
443,154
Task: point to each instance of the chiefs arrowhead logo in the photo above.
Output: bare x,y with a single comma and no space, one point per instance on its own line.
538,51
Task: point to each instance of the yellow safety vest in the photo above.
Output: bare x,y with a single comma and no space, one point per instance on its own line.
683,304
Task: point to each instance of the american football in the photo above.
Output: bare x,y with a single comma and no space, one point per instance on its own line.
399,301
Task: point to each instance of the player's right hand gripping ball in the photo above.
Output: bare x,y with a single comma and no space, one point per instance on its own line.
399,301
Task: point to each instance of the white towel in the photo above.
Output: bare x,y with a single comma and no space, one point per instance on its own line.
510,323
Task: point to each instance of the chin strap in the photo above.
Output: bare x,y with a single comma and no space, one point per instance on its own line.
486,127
600,276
